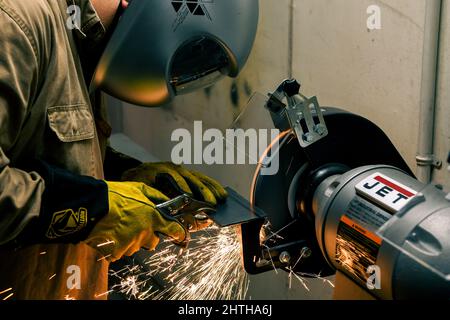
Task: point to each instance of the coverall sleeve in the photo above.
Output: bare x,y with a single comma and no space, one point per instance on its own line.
37,204
20,191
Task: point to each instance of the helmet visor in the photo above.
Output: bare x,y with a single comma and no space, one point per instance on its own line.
198,64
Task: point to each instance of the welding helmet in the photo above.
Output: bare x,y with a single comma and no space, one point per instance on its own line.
163,48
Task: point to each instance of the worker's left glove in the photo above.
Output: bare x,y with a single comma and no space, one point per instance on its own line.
174,180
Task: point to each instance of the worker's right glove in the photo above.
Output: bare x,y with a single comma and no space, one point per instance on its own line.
174,179
133,222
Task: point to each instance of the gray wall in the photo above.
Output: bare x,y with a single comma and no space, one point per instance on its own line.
330,50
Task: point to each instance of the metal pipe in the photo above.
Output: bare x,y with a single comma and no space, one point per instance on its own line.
425,157
291,39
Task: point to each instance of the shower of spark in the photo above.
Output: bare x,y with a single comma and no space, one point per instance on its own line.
209,270
7,291
9,296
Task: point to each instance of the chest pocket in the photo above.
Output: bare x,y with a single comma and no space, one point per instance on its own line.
71,123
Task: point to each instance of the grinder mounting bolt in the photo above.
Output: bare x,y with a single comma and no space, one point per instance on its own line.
285,257
306,252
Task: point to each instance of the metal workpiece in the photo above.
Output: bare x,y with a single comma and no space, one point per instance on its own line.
194,215
235,211
406,240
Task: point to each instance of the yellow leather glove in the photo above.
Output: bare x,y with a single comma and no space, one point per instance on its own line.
133,222
198,185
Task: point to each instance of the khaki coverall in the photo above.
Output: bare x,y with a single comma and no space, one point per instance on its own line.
46,113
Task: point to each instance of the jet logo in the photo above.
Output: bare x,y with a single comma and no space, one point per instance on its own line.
386,192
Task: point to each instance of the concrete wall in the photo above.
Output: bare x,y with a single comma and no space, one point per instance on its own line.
331,51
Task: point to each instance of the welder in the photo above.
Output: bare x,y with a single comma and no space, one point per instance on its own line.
64,211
